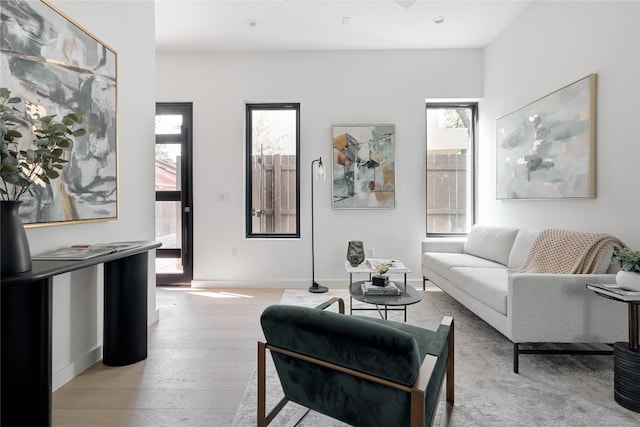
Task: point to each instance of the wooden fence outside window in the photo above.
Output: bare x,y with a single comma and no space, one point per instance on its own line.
447,193
274,194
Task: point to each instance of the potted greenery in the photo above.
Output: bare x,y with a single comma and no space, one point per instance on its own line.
23,167
629,275
20,168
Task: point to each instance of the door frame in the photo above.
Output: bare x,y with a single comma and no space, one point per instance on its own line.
184,194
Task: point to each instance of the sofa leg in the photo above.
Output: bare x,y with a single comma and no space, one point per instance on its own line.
424,283
517,351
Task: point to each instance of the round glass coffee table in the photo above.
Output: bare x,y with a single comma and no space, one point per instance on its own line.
385,303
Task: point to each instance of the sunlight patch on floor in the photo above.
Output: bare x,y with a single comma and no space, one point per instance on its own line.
212,294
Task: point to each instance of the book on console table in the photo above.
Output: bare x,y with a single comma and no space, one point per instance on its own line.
82,252
615,291
370,289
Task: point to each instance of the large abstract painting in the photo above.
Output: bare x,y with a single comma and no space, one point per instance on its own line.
364,167
546,150
55,66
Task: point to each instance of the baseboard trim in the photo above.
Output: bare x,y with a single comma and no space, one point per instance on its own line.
154,318
284,284
75,368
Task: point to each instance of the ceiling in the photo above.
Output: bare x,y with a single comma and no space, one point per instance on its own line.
279,25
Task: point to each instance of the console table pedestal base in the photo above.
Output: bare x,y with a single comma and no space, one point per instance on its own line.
26,328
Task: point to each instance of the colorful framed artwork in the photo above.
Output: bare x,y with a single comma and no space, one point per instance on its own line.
55,66
364,167
547,149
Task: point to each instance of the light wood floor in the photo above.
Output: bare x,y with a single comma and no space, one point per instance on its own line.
201,355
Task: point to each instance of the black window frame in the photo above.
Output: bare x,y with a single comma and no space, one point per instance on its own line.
250,107
473,105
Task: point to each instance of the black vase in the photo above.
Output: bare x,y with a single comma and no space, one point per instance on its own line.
15,256
355,253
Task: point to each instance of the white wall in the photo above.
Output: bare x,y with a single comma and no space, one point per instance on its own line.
549,46
339,87
127,27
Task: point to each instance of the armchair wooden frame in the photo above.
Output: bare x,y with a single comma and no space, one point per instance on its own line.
417,391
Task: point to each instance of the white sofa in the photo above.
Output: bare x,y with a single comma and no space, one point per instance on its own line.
524,307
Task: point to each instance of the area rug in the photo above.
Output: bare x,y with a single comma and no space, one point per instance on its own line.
550,390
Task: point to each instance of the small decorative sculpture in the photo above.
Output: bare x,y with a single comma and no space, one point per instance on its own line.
355,253
382,268
381,280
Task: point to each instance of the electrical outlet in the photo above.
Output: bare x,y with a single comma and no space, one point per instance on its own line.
234,252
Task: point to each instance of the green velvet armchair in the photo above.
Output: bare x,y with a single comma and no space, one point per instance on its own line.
359,370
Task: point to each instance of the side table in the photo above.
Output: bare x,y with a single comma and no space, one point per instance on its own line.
389,302
365,267
626,356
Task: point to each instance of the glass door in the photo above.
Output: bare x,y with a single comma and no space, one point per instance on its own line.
174,219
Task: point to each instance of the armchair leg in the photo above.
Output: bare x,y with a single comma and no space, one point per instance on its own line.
450,364
264,419
516,355
261,415
417,408
424,283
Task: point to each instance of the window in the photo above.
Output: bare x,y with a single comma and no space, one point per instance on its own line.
273,184
451,133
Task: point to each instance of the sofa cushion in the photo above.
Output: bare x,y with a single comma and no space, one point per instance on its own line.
605,261
521,247
491,242
441,262
487,285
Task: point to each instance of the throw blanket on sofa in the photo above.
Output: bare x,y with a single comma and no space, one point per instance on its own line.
565,251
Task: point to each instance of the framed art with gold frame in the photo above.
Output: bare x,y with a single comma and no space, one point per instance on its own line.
547,149
54,65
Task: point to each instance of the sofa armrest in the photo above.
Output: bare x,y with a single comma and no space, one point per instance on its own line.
443,244
559,308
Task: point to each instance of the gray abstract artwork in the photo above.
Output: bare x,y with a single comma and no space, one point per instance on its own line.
546,149
55,66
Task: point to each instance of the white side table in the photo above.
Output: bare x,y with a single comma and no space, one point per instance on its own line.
397,267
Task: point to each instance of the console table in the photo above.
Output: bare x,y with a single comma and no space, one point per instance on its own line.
25,300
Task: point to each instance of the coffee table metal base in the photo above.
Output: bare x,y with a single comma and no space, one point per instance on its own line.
384,303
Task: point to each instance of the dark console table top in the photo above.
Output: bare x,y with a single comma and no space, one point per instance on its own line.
43,269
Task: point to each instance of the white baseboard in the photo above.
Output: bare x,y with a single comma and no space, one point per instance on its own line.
155,316
75,368
284,284
288,284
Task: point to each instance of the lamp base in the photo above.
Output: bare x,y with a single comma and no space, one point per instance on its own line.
317,288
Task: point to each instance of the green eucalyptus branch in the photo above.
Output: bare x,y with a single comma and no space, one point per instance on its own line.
628,260
20,169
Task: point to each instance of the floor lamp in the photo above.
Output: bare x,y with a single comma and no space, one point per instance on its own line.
315,173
